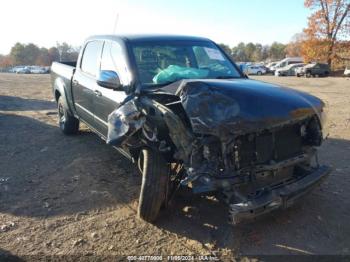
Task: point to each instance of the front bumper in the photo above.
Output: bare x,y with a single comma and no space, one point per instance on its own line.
276,198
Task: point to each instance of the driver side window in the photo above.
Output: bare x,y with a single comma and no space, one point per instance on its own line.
91,58
113,59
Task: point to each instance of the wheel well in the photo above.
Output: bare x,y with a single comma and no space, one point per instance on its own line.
57,95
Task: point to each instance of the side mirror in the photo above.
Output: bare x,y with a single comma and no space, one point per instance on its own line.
109,79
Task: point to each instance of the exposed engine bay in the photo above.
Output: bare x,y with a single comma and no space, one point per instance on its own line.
251,145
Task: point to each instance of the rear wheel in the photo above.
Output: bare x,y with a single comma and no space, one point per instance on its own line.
259,73
155,173
68,124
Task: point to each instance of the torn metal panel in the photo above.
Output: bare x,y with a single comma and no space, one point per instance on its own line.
123,123
239,106
209,110
281,196
180,135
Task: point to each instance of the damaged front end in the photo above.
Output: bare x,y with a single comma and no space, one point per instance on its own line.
254,143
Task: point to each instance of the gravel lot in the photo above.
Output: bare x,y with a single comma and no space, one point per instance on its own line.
75,195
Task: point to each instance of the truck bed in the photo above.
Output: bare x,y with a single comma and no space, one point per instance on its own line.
61,78
63,69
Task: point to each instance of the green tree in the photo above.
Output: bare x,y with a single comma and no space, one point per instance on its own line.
265,52
239,53
43,58
257,54
249,50
67,52
31,53
227,49
54,54
277,51
17,54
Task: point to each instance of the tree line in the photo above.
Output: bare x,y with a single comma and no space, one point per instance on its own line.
251,52
325,39
31,54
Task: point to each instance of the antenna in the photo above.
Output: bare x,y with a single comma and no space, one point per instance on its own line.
116,23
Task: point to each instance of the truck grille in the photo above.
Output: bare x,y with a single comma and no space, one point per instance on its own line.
261,148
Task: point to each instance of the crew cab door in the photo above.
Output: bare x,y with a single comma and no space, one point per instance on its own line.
84,81
107,100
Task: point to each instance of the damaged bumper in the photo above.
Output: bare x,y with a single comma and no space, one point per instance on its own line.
279,197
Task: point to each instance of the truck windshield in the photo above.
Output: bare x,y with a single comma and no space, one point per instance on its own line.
162,63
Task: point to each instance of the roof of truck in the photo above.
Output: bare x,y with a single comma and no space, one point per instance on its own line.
141,38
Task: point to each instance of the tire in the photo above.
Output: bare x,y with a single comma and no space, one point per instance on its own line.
68,124
259,73
298,75
154,184
308,74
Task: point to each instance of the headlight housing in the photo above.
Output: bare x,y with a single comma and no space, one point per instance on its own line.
324,122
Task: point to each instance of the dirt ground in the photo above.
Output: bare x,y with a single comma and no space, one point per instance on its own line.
75,195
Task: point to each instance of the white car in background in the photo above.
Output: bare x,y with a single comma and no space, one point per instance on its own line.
347,71
255,70
285,62
289,70
37,70
21,70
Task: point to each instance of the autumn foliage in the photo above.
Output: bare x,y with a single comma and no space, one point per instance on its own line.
326,37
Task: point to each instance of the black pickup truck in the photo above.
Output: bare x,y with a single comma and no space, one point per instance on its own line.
186,114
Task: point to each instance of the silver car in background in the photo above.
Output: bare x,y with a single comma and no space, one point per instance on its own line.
289,70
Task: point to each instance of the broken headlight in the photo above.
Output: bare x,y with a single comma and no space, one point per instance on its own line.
324,122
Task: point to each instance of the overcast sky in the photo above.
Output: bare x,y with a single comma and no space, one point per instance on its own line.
44,22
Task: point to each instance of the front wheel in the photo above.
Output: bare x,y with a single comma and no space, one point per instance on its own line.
69,125
259,73
155,174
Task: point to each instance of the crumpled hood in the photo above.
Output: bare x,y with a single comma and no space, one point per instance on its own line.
239,106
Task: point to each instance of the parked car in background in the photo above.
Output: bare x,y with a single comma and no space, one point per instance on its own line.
37,70
269,67
285,62
47,69
16,69
347,71
288,70
22,70
255,70
314,69
271,64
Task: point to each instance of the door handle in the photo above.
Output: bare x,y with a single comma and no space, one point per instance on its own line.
97,93
75,82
